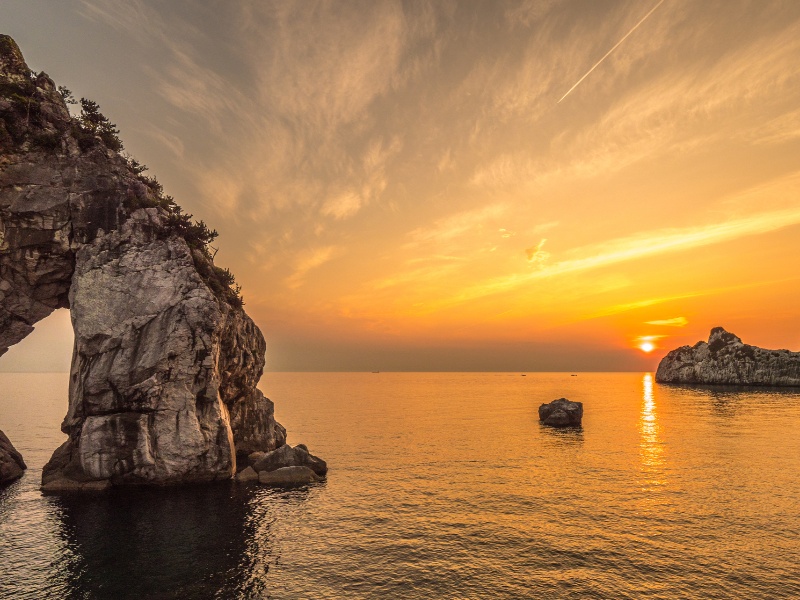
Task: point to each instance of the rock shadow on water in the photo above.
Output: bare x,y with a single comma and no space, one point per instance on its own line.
562,436
187,542
730,400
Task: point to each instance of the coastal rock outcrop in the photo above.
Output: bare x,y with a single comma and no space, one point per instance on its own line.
561,413
11,464
166,361
284,466
725,359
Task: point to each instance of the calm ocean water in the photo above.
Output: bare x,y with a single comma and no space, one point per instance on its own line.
441,485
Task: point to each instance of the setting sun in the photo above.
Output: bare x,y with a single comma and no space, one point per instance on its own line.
647,347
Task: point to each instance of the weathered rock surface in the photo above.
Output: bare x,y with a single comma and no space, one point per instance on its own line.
65,485
248,474
561,413
288,476
284,466
11,464
166,361
286,456
725,359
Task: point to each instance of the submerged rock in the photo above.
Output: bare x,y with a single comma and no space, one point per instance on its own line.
12,466
166,361
725,359
287,476
561,413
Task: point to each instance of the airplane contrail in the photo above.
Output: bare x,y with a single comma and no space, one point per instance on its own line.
610,51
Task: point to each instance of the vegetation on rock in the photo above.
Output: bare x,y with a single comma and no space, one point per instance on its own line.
26,123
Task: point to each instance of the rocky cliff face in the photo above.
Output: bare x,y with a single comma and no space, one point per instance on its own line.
11,464
166,361
726,360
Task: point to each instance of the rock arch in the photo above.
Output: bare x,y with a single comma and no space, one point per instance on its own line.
165,362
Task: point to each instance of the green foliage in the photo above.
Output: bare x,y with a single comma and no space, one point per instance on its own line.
66,94
93,121
196,233
49,140
134,165
22,89
22,122
220,281
23,112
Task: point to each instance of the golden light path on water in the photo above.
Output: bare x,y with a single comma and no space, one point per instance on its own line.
650,447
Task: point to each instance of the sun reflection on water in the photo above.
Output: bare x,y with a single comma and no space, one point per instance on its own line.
650,447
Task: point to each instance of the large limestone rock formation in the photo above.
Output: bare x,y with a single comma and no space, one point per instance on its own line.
166,361
11,464
725,359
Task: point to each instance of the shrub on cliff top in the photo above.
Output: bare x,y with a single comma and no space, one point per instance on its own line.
96,123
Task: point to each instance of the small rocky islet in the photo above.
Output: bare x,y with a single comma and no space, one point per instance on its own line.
723,360
726,360
166,360
561,413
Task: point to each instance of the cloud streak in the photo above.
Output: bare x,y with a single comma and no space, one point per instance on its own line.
636,247
674,322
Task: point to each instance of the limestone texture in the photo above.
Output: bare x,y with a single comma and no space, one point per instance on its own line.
286,456
283,466
12,466
726,360
561,413
166,361
288,476
246,475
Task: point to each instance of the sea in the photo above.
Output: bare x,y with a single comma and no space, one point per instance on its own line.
441,485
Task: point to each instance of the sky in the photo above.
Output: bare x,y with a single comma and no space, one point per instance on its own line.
468,185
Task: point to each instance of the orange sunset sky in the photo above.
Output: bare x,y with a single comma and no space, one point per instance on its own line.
422,186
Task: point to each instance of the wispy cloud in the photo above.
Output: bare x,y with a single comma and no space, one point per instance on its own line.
307,262
536,254
464,223
674,322
420,145
648,302
636,247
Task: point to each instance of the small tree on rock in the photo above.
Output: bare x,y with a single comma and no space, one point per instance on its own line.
95,122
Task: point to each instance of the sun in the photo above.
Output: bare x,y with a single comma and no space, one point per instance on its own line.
647,346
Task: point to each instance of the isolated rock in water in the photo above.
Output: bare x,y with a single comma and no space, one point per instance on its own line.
11,464
286,456
561,413
725,359
166,361
287,476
